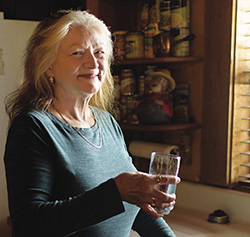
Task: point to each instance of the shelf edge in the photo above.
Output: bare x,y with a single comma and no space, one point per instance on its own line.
157,128
158,60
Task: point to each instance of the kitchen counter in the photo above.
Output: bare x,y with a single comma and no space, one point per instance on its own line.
194,204
196,201
189,222
192,223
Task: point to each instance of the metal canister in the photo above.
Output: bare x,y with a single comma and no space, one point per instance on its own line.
149,69
130,103
144,16
141,85
180,13
127,82
182,49
123,108
165,15
117,87
120,44
128,72
134,45
151,30
147,83
154,11
148,45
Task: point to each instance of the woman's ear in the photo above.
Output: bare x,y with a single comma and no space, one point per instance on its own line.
49,72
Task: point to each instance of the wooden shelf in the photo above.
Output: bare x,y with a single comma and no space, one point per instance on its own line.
155,128
158,60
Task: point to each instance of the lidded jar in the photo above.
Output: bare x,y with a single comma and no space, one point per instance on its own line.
134,45
120,44
127,82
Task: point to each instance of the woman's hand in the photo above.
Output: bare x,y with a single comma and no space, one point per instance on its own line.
139,188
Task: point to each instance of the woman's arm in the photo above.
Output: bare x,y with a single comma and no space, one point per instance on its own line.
30,171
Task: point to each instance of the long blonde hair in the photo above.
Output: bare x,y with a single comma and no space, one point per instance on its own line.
37,91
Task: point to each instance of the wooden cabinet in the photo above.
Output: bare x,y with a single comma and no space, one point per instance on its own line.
125,15
209,79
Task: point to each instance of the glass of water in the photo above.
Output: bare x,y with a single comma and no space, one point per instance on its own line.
164,164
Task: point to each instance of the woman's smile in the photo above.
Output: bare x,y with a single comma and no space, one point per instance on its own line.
89,75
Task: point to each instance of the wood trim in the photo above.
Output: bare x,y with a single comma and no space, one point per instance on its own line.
215,161
93,6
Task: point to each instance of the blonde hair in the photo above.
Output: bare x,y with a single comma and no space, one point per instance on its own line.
37,91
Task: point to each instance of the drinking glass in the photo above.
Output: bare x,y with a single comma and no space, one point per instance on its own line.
164,164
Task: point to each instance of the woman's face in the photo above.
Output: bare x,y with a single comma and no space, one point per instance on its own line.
80,66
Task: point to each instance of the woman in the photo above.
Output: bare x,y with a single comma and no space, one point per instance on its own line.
67,167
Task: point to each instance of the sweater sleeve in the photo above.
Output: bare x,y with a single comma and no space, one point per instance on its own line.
30,172
148,226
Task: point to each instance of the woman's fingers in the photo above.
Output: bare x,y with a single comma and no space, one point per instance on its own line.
166,179
162,197
150,210
165,203
141,189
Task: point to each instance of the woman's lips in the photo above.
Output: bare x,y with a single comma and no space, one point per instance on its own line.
89,75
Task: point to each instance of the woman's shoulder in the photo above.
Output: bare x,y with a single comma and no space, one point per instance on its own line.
32,116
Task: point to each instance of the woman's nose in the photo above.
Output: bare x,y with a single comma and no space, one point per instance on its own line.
90,59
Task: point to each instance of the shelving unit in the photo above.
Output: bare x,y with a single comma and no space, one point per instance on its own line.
159,61
187,70
180,133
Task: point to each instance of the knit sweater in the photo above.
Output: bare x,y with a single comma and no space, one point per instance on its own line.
61,185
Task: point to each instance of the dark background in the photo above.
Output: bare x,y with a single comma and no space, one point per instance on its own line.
36,9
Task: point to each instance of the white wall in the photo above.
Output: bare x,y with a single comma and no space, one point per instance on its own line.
13,38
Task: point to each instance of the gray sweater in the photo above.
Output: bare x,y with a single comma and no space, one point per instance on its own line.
60,185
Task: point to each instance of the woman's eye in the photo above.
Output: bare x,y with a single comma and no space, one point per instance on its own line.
99,52
76,53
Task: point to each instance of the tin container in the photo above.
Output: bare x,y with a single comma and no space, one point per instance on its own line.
182,49
130,103
147,82
120,44
124,113
134,45
141,85
165,15
148,47
117,87
154,11
127,82
144,16
126,73
180,13
151,30
149,69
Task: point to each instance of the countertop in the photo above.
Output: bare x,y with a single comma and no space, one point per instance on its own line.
189,222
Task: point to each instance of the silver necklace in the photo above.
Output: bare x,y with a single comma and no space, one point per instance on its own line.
100,134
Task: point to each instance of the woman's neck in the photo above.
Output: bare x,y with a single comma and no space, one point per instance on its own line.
76,115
